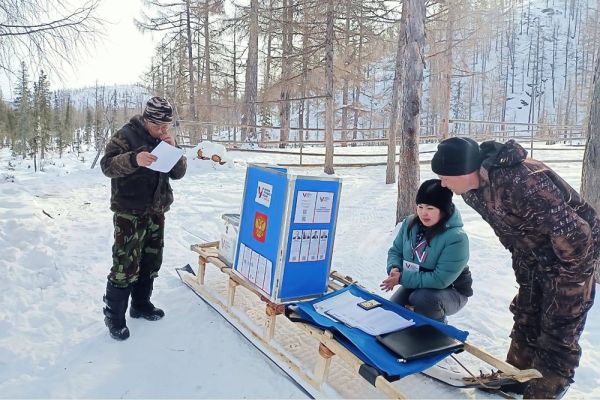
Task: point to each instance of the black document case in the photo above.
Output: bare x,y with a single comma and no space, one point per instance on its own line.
419,341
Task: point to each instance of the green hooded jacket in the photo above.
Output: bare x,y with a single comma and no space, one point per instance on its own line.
446,258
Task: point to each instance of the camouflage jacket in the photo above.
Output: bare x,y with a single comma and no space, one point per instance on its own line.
135,189
533,210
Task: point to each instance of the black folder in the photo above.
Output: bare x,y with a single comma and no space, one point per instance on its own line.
419,341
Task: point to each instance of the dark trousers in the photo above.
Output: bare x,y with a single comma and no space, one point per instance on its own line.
138,247
549,310
433,303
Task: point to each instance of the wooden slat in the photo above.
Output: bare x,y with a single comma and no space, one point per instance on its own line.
520,375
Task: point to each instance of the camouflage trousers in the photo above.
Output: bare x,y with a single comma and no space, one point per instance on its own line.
549,310
138,247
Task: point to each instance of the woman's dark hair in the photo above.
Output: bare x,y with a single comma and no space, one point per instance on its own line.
431,231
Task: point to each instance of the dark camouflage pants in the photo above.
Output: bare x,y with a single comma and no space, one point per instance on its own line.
138,248
549,310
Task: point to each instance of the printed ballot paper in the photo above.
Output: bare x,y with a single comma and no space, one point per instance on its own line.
377,321
166,157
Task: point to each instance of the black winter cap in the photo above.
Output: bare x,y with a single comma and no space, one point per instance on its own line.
433,193
158,110
456,156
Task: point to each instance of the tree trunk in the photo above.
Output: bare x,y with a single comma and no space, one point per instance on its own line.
590,178
249,117
192,98
446,72
207,77
302,103
408,168
345,87
284,97
265,109
329,118
390,172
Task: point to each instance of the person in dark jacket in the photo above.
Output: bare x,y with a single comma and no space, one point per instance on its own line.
554,238
140,197
429,257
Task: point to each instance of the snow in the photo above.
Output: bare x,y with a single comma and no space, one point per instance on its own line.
56,238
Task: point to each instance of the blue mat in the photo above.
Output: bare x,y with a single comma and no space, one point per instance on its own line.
365,346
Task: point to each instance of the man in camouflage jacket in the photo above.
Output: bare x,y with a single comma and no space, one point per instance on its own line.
140,197
554,238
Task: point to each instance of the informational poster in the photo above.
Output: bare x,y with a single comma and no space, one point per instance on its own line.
323,244
305,207
253,266
245,270
305,246
260,274
323,208
263,194
267,283
296,243
313,250
256,268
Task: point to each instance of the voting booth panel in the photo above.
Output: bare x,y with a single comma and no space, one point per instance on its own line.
286,232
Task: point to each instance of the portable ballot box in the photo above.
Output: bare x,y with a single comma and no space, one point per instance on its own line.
229,235
286,232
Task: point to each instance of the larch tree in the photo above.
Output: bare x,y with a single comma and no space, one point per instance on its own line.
590,178
395,108
329,89
408,167
251,84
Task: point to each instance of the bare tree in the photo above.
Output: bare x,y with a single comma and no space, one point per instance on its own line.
590,179
329,108
408,168
390,172
45,32
249,117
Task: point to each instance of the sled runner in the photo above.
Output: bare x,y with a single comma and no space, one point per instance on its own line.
303,346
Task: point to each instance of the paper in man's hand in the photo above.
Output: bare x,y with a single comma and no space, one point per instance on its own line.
166,157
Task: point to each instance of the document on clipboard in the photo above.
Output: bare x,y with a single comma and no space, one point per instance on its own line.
376,321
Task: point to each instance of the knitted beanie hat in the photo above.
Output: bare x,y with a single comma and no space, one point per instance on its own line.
433,193
158,110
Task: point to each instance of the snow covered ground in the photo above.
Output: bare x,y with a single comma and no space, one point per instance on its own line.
56,237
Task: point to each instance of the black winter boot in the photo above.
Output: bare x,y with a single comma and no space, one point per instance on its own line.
141,307
116,300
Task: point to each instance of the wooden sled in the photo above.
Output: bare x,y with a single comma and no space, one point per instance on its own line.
287,346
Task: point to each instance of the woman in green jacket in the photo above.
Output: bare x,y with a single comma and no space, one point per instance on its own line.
428,258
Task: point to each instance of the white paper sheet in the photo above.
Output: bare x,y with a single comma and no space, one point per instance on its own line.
305,245
260,275
268,272
313,251
323,244
335,301
241,266
376,321
323,208
167,156
253,267
295,246
305,207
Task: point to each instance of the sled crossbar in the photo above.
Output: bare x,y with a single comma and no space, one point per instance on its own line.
262,335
